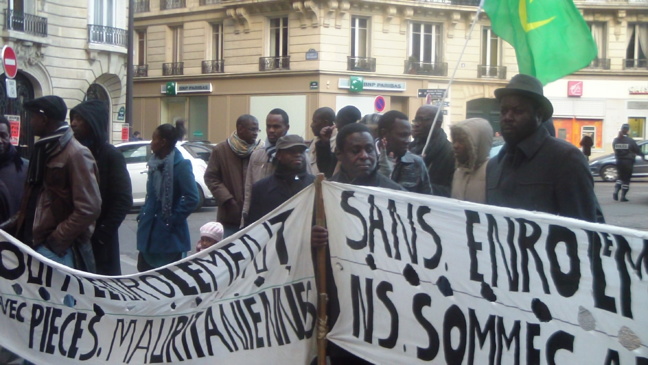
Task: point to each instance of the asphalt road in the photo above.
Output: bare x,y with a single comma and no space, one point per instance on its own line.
632,214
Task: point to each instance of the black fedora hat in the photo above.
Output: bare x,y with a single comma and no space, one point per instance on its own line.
530,87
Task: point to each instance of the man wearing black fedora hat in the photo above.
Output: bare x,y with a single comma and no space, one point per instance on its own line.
536,171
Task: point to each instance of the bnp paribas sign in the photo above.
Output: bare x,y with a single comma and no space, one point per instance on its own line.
383,85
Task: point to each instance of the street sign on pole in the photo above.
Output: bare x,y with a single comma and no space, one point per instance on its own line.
10,62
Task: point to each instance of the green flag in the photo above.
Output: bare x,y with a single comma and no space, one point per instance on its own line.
550,37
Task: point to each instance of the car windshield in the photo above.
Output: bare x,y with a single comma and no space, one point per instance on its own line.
198,150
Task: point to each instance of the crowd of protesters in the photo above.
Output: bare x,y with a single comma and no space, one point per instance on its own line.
68,201
70,198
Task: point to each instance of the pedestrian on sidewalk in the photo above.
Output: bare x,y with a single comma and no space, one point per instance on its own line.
625,151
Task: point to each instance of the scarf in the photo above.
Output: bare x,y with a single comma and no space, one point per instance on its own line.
241,148
271,150
11,155
161,175
42,149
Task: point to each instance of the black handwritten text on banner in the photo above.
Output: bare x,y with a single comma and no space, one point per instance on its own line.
425,279
248,300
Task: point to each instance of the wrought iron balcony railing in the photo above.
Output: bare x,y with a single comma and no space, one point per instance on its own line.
367,64
494,72
426,68
213,66
274,63
107,35
23,22
600,64
634,64
171,4
140,70
172,68
142,6
210,2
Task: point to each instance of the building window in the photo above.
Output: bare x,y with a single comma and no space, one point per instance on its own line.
589,130
599,34
104,12
359,37
637,46
279,37
637,127
176,44
141,47
217,42
491,55
425,42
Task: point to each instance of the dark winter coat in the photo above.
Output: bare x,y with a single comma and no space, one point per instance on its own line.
272,191
439,159
544,174
154,235
114,186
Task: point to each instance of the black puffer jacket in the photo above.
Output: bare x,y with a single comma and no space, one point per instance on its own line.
114,185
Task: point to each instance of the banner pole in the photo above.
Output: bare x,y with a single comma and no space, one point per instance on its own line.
320,275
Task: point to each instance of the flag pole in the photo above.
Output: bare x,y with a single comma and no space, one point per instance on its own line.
320,275
454,72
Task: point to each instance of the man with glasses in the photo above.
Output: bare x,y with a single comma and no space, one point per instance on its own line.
438,156
226,171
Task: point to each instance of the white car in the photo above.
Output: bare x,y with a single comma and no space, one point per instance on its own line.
138,153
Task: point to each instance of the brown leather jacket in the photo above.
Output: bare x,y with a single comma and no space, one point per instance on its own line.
70,202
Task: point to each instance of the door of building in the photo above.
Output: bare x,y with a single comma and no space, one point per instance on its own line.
14,106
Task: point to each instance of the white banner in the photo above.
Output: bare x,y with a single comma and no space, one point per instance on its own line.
248,300
425,279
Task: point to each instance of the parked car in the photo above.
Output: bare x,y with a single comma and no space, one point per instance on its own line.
138,153
605,166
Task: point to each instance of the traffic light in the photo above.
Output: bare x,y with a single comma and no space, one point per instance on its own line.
171,88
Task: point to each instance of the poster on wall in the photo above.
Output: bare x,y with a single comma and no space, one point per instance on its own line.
14,124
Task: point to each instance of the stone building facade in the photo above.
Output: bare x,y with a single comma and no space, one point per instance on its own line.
75,49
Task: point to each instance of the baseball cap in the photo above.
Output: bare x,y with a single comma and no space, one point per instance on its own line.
52,106
290,140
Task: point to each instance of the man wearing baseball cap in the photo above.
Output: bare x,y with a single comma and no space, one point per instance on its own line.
61,186
535,171
289,178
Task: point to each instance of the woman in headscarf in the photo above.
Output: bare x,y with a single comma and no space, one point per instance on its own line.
162,231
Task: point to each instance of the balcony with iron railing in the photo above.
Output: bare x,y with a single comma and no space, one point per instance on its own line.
142,6
274,63
140,70
213,66
172,4
107,35
172,68
600,64
27,23
492,72
414,67
635,64
367,64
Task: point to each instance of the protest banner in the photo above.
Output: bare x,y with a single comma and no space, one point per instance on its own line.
423,279
250,299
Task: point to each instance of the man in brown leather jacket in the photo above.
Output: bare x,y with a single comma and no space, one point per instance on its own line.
62,200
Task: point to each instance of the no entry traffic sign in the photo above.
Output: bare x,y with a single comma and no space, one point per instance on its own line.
9,62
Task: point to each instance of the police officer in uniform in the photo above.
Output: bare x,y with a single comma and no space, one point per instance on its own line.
625,151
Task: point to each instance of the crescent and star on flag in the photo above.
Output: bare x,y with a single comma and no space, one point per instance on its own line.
529,26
